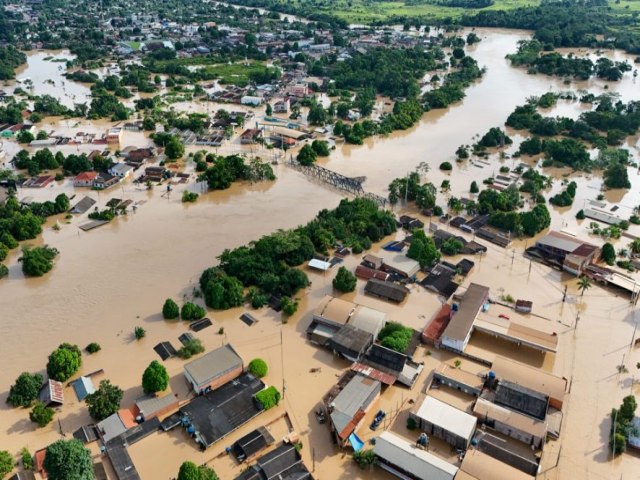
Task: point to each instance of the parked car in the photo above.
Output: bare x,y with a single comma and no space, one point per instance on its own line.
377,420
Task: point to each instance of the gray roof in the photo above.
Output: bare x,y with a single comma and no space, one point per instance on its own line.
448,418
559,241
420,464
350,341
111,427
368,319
213,364
356,395
463,319
149,405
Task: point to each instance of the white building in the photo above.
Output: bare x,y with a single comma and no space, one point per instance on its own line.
121,170
443,421
405,460
250,100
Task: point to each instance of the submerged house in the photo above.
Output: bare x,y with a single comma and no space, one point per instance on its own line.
213,369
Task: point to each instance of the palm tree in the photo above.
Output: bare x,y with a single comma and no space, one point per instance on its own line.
583,284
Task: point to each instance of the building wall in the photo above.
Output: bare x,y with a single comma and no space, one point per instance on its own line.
519,435
216,382
439,432
453,344
457,385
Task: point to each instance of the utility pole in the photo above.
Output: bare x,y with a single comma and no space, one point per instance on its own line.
564,297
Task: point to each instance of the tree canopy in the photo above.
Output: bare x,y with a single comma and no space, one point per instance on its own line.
258,367
155,378
68,460
105,401
344,281
170,309
64,362
25,390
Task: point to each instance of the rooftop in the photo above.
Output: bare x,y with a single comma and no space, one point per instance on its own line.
479,466
485,409
150,405
213,364
462,320
350,340
529,377
460,376
449,418
388,290
334,310
219,412
419,463
515,332
400,262
356,396
283,463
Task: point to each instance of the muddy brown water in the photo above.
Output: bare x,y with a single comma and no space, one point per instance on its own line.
112,279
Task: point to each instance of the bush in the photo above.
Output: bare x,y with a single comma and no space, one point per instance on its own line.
189,197
191,311
191,348
25,390
474,187
580,215
411,424
395,336
93,347
344,281
321,147
41,414
608,254
6,463
64,362
258,367
27,459
446,166
268,398
4,271
139,333
289,306
155,378
36,261
256,298
170,309
307,156
364,458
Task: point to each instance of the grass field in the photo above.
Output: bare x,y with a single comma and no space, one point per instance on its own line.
236,73
364,11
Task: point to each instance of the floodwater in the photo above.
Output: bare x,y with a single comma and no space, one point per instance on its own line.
107,281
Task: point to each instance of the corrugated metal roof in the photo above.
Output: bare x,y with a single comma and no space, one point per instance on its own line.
483,467
353,397
419,463
485,409
529,377
462,321
83,386
447,417
213,364
319,264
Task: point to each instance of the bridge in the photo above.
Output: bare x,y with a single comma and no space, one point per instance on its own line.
352,185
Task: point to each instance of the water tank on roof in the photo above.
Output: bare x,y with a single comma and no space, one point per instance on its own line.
454,307
492,375
191,430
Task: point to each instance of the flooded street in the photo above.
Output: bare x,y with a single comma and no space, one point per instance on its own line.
108,281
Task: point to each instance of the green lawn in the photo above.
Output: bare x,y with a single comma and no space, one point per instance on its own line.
236,73
134,45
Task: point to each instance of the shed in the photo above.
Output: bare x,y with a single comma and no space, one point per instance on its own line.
86,434
83,386
319,265
387,290
165,350
371,261
407,461
213,369
443,421
200,324
115,425
366,273
459,379
52,393
479,466
512,424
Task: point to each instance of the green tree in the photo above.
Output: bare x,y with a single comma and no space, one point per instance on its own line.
344,281
139,333
64,362
25,137
36,261
155,378
608,254
25,390
221,291
170,309
174,148
93,347
258,367
269,397
365,458
6,463
423,249
616,176
27,459
321,147
188,471
63,204
306,156
105,401
41,414
269,110
68,460
191,311
474,187
289,306
583,284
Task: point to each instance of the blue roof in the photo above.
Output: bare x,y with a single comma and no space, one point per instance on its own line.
83,387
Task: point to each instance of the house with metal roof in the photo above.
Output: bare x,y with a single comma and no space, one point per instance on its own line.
386,290
573,254
349,407
399,263
458,332
52,393
350,342
252,443
523,428
458,379
534,379
213,369
283,463
151,406
480,466
522,399
83,386
215,414
406,460
115,425
443,421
